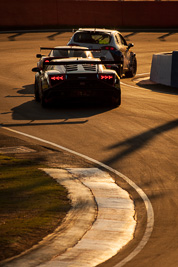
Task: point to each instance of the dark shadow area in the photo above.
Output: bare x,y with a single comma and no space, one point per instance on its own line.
162,38
64,112
137,142
54,33
159,88
26,90
52,36
14,36
130,35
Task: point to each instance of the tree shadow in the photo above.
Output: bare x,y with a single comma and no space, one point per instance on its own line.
52,36
15,35
129,35
137,142
162,37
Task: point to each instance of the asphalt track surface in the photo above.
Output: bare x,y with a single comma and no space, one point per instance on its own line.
139,139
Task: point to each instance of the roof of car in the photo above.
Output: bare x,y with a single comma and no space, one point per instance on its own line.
98,30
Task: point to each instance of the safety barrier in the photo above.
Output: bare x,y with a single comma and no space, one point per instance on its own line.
164,69
20,14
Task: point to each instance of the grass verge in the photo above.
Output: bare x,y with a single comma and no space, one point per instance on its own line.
32,205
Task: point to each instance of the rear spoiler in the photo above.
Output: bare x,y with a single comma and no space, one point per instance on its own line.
80,62
70,48
77,62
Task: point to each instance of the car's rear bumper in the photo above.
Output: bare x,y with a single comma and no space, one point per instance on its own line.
82,90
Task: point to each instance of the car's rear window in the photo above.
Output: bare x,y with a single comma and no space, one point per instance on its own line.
92,38
69,53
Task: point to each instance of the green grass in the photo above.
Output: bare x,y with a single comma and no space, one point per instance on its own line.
32,205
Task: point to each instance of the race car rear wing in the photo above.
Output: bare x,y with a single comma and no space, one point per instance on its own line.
80,62
70,48
77,62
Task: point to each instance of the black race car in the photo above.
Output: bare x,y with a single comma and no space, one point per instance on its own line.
75,78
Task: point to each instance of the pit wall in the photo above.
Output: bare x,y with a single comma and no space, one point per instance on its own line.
20,14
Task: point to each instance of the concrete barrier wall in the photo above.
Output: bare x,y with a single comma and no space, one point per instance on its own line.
164,69
161,69
20,14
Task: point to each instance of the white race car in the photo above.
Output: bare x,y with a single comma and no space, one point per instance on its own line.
113,46
59,52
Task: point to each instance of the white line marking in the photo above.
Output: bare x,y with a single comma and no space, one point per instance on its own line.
148,206
129,85
141,74
137,87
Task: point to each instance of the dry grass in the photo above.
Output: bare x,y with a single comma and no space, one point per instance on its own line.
32,205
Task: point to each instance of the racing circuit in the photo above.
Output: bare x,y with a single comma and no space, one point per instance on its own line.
138,139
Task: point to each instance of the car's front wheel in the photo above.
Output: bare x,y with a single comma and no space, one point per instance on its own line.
36,91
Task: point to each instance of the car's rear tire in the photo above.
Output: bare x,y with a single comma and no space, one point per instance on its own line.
44,104
115,100
43,101
133,68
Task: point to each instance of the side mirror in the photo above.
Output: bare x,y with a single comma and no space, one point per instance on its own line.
36,69
38,55
130,45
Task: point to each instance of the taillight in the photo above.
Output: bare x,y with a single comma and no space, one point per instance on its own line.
58,78
109,78
109,48
105,77
54,79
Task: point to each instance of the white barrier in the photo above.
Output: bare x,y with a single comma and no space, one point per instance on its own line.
164,69
161,68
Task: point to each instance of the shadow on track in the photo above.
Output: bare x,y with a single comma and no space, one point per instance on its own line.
51,37
159,88
15,35
62,113
162,37
138,141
